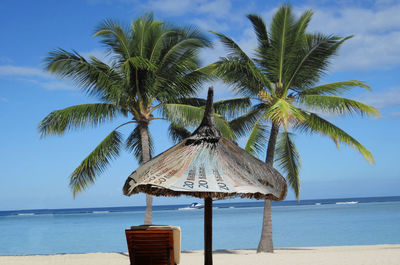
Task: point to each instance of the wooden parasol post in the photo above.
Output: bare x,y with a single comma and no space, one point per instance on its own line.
208,231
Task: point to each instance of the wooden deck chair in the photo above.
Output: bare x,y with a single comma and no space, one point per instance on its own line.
154,245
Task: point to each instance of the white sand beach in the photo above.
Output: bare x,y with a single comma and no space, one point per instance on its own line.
343,255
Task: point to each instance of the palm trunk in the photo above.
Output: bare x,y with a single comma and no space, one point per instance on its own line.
144,137
266,244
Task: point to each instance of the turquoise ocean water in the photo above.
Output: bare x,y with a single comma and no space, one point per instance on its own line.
355,221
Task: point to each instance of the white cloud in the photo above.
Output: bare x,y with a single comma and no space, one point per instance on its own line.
44,79
214,15
370,52
4,59
376,44
36,76
386,99
394,115
210,24
218,8
58,85
210,55
171,7
11,70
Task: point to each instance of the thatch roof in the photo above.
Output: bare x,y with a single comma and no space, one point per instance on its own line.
207,165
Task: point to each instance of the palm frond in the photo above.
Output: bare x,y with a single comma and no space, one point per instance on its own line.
93,76
223,126
312,60
315,124
335,88
258,138
244,76
75,117
95,163
339,105
182,114
115,37
283,112
288,159
177,133
232,107
261,32
244,123
281,39
188,116
233,48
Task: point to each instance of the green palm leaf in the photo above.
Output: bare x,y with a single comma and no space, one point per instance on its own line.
257,141
335,88
244,123
261,31
115,38
245,77
281,39
283,112
232,107
190,116
288,159
93,76
339,105
178,133
312,60
96,162
315,124
75,117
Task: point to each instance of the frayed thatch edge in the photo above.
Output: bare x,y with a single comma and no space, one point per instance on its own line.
160,191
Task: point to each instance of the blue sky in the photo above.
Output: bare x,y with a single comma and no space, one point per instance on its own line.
34,172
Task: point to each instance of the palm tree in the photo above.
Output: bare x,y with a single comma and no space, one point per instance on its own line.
152,64
283,78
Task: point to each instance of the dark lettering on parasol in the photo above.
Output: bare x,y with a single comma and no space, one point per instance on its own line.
190,179
202,177
218,178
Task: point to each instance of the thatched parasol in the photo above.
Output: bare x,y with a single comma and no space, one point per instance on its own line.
207,165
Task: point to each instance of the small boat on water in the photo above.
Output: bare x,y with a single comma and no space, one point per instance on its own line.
352,202
194,205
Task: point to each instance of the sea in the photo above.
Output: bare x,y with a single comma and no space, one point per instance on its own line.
325,222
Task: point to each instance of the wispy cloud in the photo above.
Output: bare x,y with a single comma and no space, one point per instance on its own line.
386,99
4,59
12,70
44,79
53,84
218,8
394,115
376,44
217,15
36,76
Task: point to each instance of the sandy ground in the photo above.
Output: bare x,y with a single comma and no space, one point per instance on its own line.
346,255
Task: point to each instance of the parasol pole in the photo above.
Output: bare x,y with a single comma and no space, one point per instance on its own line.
208,231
